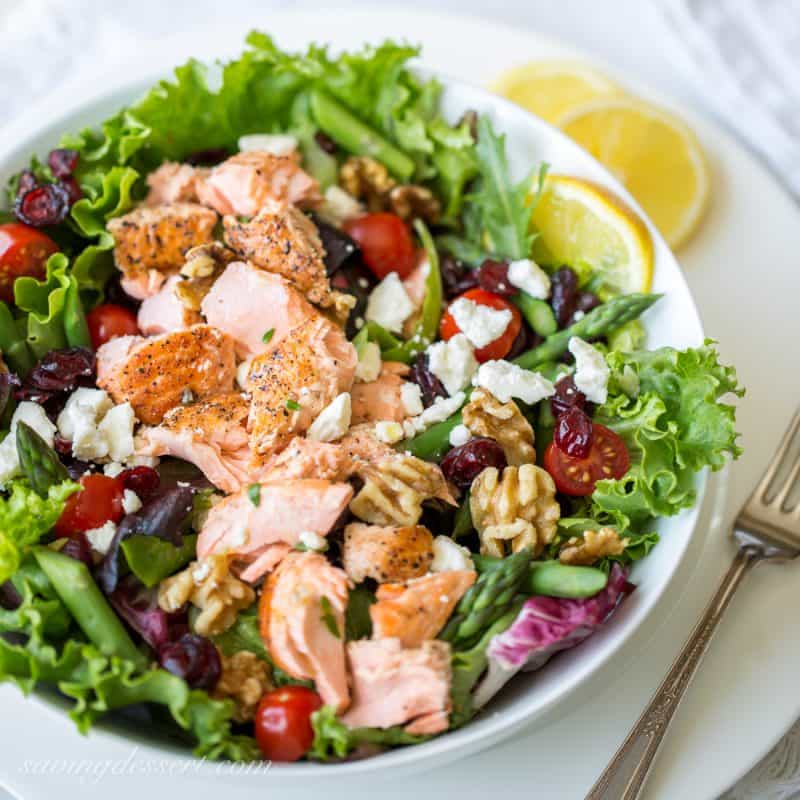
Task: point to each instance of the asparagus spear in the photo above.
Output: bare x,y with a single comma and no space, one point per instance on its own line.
38,460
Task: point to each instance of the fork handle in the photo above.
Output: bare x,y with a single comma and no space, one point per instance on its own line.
624,777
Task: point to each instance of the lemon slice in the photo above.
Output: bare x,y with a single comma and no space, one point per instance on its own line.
584,226
552,89
653,154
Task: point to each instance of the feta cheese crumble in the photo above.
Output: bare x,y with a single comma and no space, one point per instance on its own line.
506,381
411,398
448,555
442,409
100,538
369,362
31,414
96,427
333,421
339,206
480,324
116,428
313,541
276,144
389,304
530,277
591,370
459,436
453,362
130,502
389,432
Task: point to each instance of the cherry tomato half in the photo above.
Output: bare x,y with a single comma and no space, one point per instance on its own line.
607,458
109,321
98,503
283,722
24,250
502,345
385,242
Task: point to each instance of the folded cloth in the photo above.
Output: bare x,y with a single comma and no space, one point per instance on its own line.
745,54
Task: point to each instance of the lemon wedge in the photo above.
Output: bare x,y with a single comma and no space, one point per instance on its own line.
585,226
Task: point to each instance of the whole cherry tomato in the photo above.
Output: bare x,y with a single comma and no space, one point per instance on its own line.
109,321
24,250
283,722
98,503
607,458
502,345
385,242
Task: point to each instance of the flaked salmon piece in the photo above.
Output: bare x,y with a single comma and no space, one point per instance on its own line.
285,510
364,447
244,183
396,686
163,312
210,434
417,610
387,554
265,562
158,373
296,379
304,458
301,616
283,240
246,302
151,242
380,399
173,183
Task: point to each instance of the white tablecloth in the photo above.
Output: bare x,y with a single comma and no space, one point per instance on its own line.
737,57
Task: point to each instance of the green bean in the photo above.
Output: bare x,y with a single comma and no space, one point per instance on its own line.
554,579
538,314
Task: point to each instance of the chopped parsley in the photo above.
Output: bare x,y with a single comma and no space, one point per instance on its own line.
328,618
254,493
267,337
292,405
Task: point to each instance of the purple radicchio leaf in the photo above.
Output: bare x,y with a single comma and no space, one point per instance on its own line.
8,381
162,516
544,627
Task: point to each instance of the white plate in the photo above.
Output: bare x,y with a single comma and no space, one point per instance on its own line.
498,48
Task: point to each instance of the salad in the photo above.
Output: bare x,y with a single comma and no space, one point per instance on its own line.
311,437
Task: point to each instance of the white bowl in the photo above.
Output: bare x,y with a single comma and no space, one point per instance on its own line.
673,321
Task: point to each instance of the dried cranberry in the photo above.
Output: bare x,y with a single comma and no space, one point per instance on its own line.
463,464
566,397
526,339
77,468
73,189
493,277
325,143
456,277
58,372
208,158
573,433
43,205
78,547
142,480
564,294
586,301
27,181
192,658
430,385
62,162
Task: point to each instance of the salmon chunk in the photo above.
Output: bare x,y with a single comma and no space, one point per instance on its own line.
386,554
173,183
163,312
244,183
396,686
304,458
157,374
151,242
296,379
210,434
417,610
302,623
380,399
285,510
246,302
283,240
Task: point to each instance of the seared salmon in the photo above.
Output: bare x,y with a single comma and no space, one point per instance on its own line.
296,379
304,458
173,183
246,182
301,617
396,686
210,434
151,242
417,610
380,399
159,373
386,554
246,302
163,312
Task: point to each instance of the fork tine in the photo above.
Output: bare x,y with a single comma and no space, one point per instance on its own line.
788,485
772,469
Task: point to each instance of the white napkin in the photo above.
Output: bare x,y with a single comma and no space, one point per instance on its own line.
746,56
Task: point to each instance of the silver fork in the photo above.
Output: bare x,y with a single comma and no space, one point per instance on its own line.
766,529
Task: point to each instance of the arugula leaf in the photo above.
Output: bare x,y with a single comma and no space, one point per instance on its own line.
328,618
358,623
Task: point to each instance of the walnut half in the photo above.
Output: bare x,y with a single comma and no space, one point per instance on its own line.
485,415
410,201
517,506
591,547
366,179
244,679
